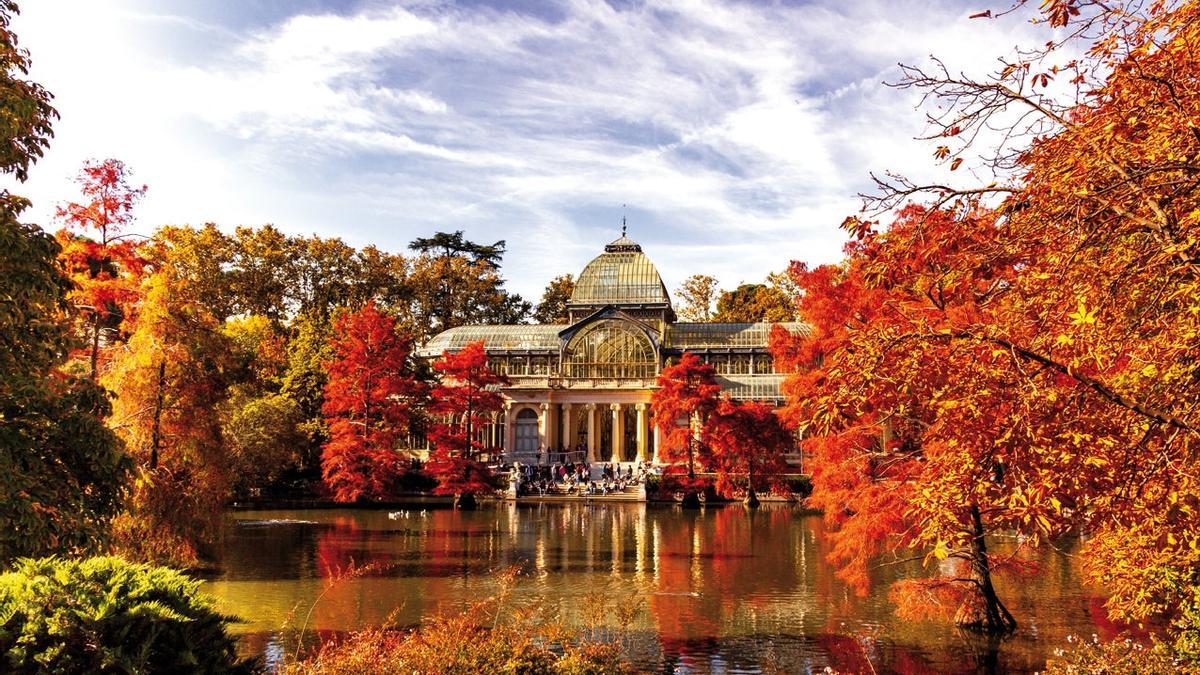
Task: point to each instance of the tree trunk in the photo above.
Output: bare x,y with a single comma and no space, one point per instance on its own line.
95,342
156,428
465,502
751,500
982,610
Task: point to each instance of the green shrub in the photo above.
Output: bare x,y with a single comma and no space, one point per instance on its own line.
106,615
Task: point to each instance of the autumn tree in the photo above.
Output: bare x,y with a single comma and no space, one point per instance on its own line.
1017,355
100,256
686,396
169,380
463,402
553,307
455,282
63,474
368,405
747,438
752,303
203,257
698,293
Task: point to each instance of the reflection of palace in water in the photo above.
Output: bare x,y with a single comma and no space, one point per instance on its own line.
584,387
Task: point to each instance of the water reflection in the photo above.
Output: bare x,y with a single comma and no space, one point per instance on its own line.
721,590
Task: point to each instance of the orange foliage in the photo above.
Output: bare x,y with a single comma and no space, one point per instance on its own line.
687,394
465,399
747,438
367,405
1027,365
104,264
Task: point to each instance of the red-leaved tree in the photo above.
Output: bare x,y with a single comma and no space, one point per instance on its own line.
750,438
463,400
99,256
368,405
687,390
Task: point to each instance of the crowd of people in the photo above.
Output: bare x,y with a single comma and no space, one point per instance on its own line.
576,478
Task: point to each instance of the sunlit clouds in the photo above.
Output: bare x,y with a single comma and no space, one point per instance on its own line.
736,133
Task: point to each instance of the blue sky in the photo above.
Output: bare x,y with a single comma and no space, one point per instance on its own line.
736,133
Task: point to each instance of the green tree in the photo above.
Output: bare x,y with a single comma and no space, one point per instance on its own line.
263,435
62,472
263,270
383,277
451,291
553,307
204,259
453,244
324,276
304,382
25,105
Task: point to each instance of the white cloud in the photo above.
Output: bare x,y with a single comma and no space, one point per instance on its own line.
738,133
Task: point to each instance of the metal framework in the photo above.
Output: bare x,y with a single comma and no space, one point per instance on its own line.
685,336
752,387
623,276
610,350
521,338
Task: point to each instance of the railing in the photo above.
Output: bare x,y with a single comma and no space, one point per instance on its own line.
538,458
559,382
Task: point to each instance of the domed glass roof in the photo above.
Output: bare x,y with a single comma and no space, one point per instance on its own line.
620,275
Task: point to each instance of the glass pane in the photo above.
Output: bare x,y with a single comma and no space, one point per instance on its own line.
611,350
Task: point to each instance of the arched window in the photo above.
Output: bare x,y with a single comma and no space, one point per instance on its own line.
610,350
526,432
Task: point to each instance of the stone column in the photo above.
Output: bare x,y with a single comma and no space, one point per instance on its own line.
568,427
618,433
657,445
508,428
592,441
641,432
545,422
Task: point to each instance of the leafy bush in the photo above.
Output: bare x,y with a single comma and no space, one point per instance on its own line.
106,615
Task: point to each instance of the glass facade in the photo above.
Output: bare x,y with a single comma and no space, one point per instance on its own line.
610,350
617,277
534,338
698,336
586,386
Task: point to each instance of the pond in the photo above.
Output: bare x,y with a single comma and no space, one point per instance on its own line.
720,590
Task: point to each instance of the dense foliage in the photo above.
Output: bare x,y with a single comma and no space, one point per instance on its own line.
772,301
101,258
24,106
62,472
553,306
1020,356
105,615
463,401
686,396
747,438
368,404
